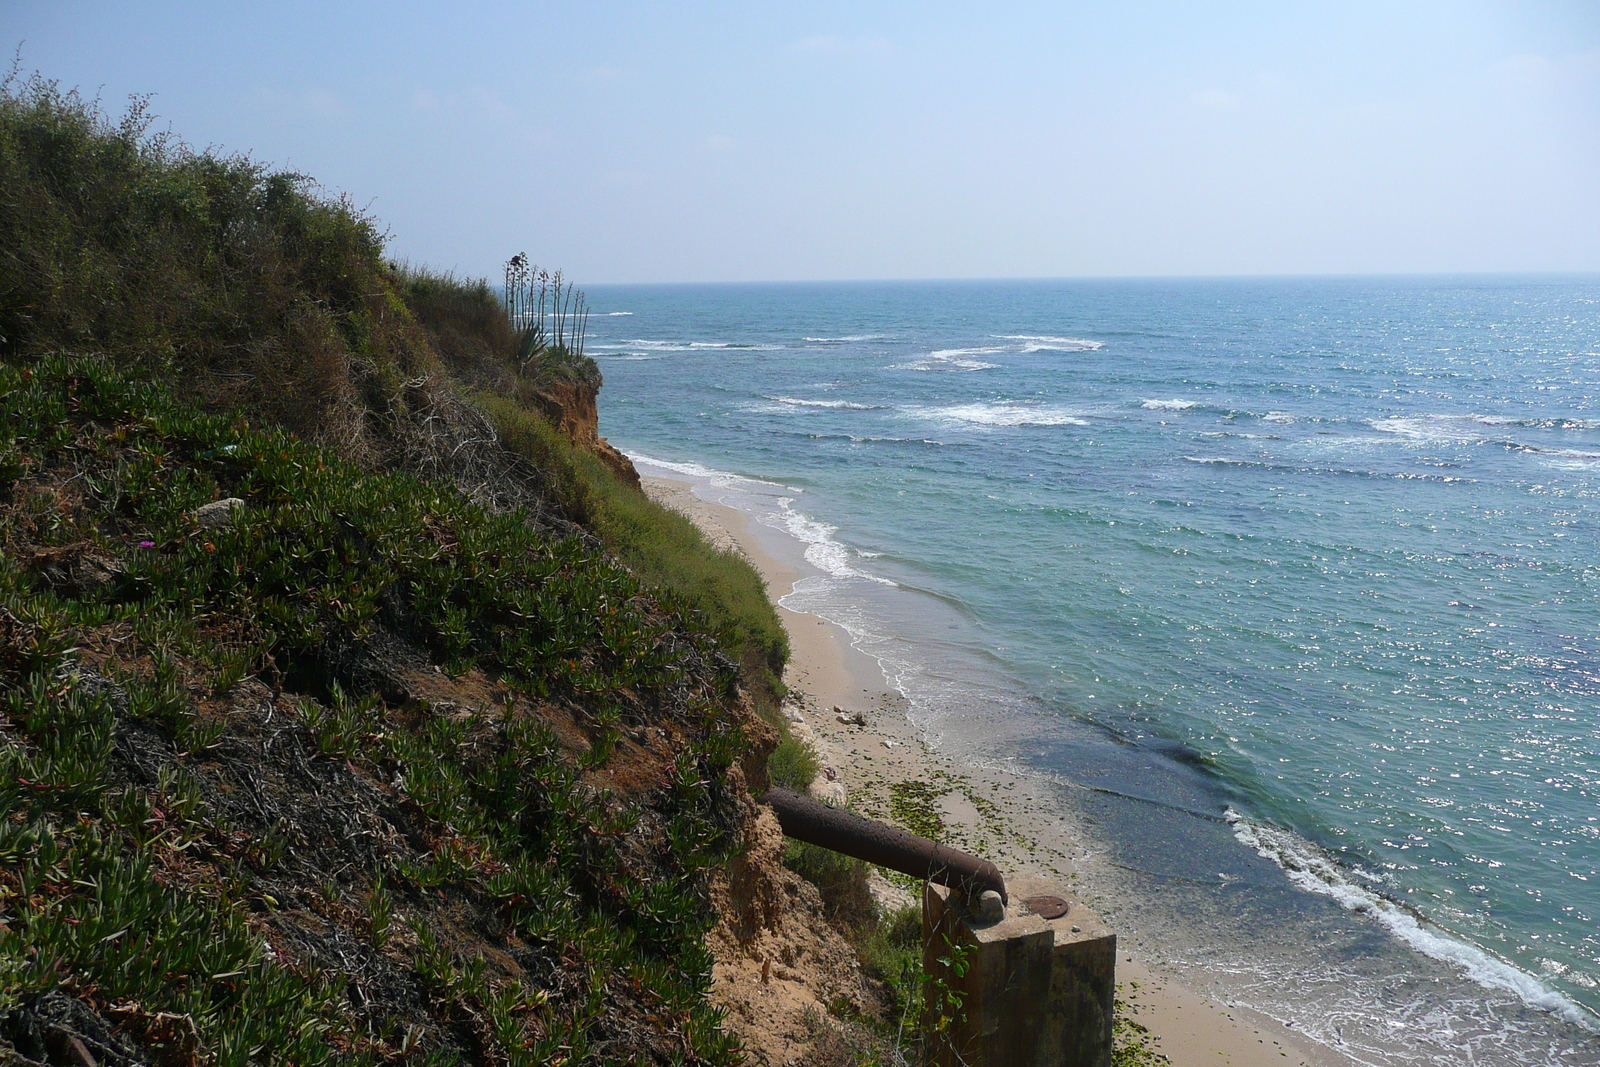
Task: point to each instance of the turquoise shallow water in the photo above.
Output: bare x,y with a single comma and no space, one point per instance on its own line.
1300,571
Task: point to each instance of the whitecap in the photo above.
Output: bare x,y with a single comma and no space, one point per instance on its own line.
1168,405
951,359
1277,416
1313,870
847,339
1555,422
944,365
1564,453
1044,343
844,404
952,353
1429,427
1565,458
1003,415
685,346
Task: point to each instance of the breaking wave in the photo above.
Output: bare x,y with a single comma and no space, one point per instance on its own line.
798,402
1042,343
1003,415
952,359
1315,871
1168,405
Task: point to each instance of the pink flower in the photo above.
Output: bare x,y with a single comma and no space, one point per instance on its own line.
147,544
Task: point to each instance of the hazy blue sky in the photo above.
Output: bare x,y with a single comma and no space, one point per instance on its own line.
711,141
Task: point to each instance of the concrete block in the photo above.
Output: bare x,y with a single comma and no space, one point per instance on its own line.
1024,991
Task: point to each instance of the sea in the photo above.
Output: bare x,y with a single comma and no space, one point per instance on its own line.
1287,589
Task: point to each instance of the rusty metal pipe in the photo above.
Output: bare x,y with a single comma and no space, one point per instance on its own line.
805,819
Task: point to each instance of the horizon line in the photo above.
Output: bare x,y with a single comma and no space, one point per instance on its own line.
1545,274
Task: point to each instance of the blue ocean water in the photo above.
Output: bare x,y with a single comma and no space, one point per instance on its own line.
1295,582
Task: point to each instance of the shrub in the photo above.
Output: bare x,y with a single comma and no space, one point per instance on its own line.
247,291
891,952
466,323
241,285
793,764
841,879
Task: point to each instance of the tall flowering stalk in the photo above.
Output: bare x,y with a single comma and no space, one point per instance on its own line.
548,313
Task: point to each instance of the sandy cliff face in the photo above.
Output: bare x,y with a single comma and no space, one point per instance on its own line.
777,959
571,408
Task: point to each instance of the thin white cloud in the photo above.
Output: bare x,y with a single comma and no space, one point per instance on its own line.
828,44
324,103
1543,70
605,72
720,141
491,105
316,102
1212,99
475,101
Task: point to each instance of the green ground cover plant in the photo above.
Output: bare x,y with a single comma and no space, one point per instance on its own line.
660,545
540,892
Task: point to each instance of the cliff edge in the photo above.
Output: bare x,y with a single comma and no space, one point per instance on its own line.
573,409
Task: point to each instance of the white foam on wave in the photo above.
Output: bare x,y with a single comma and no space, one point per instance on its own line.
756,496
712,476
1277,416
1042,343
685,346
952,359
952,353
1554,422
614,314
944,365
1168,405
847,339
1430,427
822,551
1565,458
1470,429
799,402
1002,415
1313,870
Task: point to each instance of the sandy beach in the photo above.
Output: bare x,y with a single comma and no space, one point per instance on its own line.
986,810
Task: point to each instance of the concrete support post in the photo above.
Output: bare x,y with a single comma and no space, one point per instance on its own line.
1023,991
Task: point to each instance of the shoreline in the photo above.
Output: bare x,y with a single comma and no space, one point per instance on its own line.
986,809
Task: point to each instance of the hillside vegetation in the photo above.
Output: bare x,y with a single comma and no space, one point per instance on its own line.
245,291
422,744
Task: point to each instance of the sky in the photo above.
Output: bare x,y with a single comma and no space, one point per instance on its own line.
653,142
